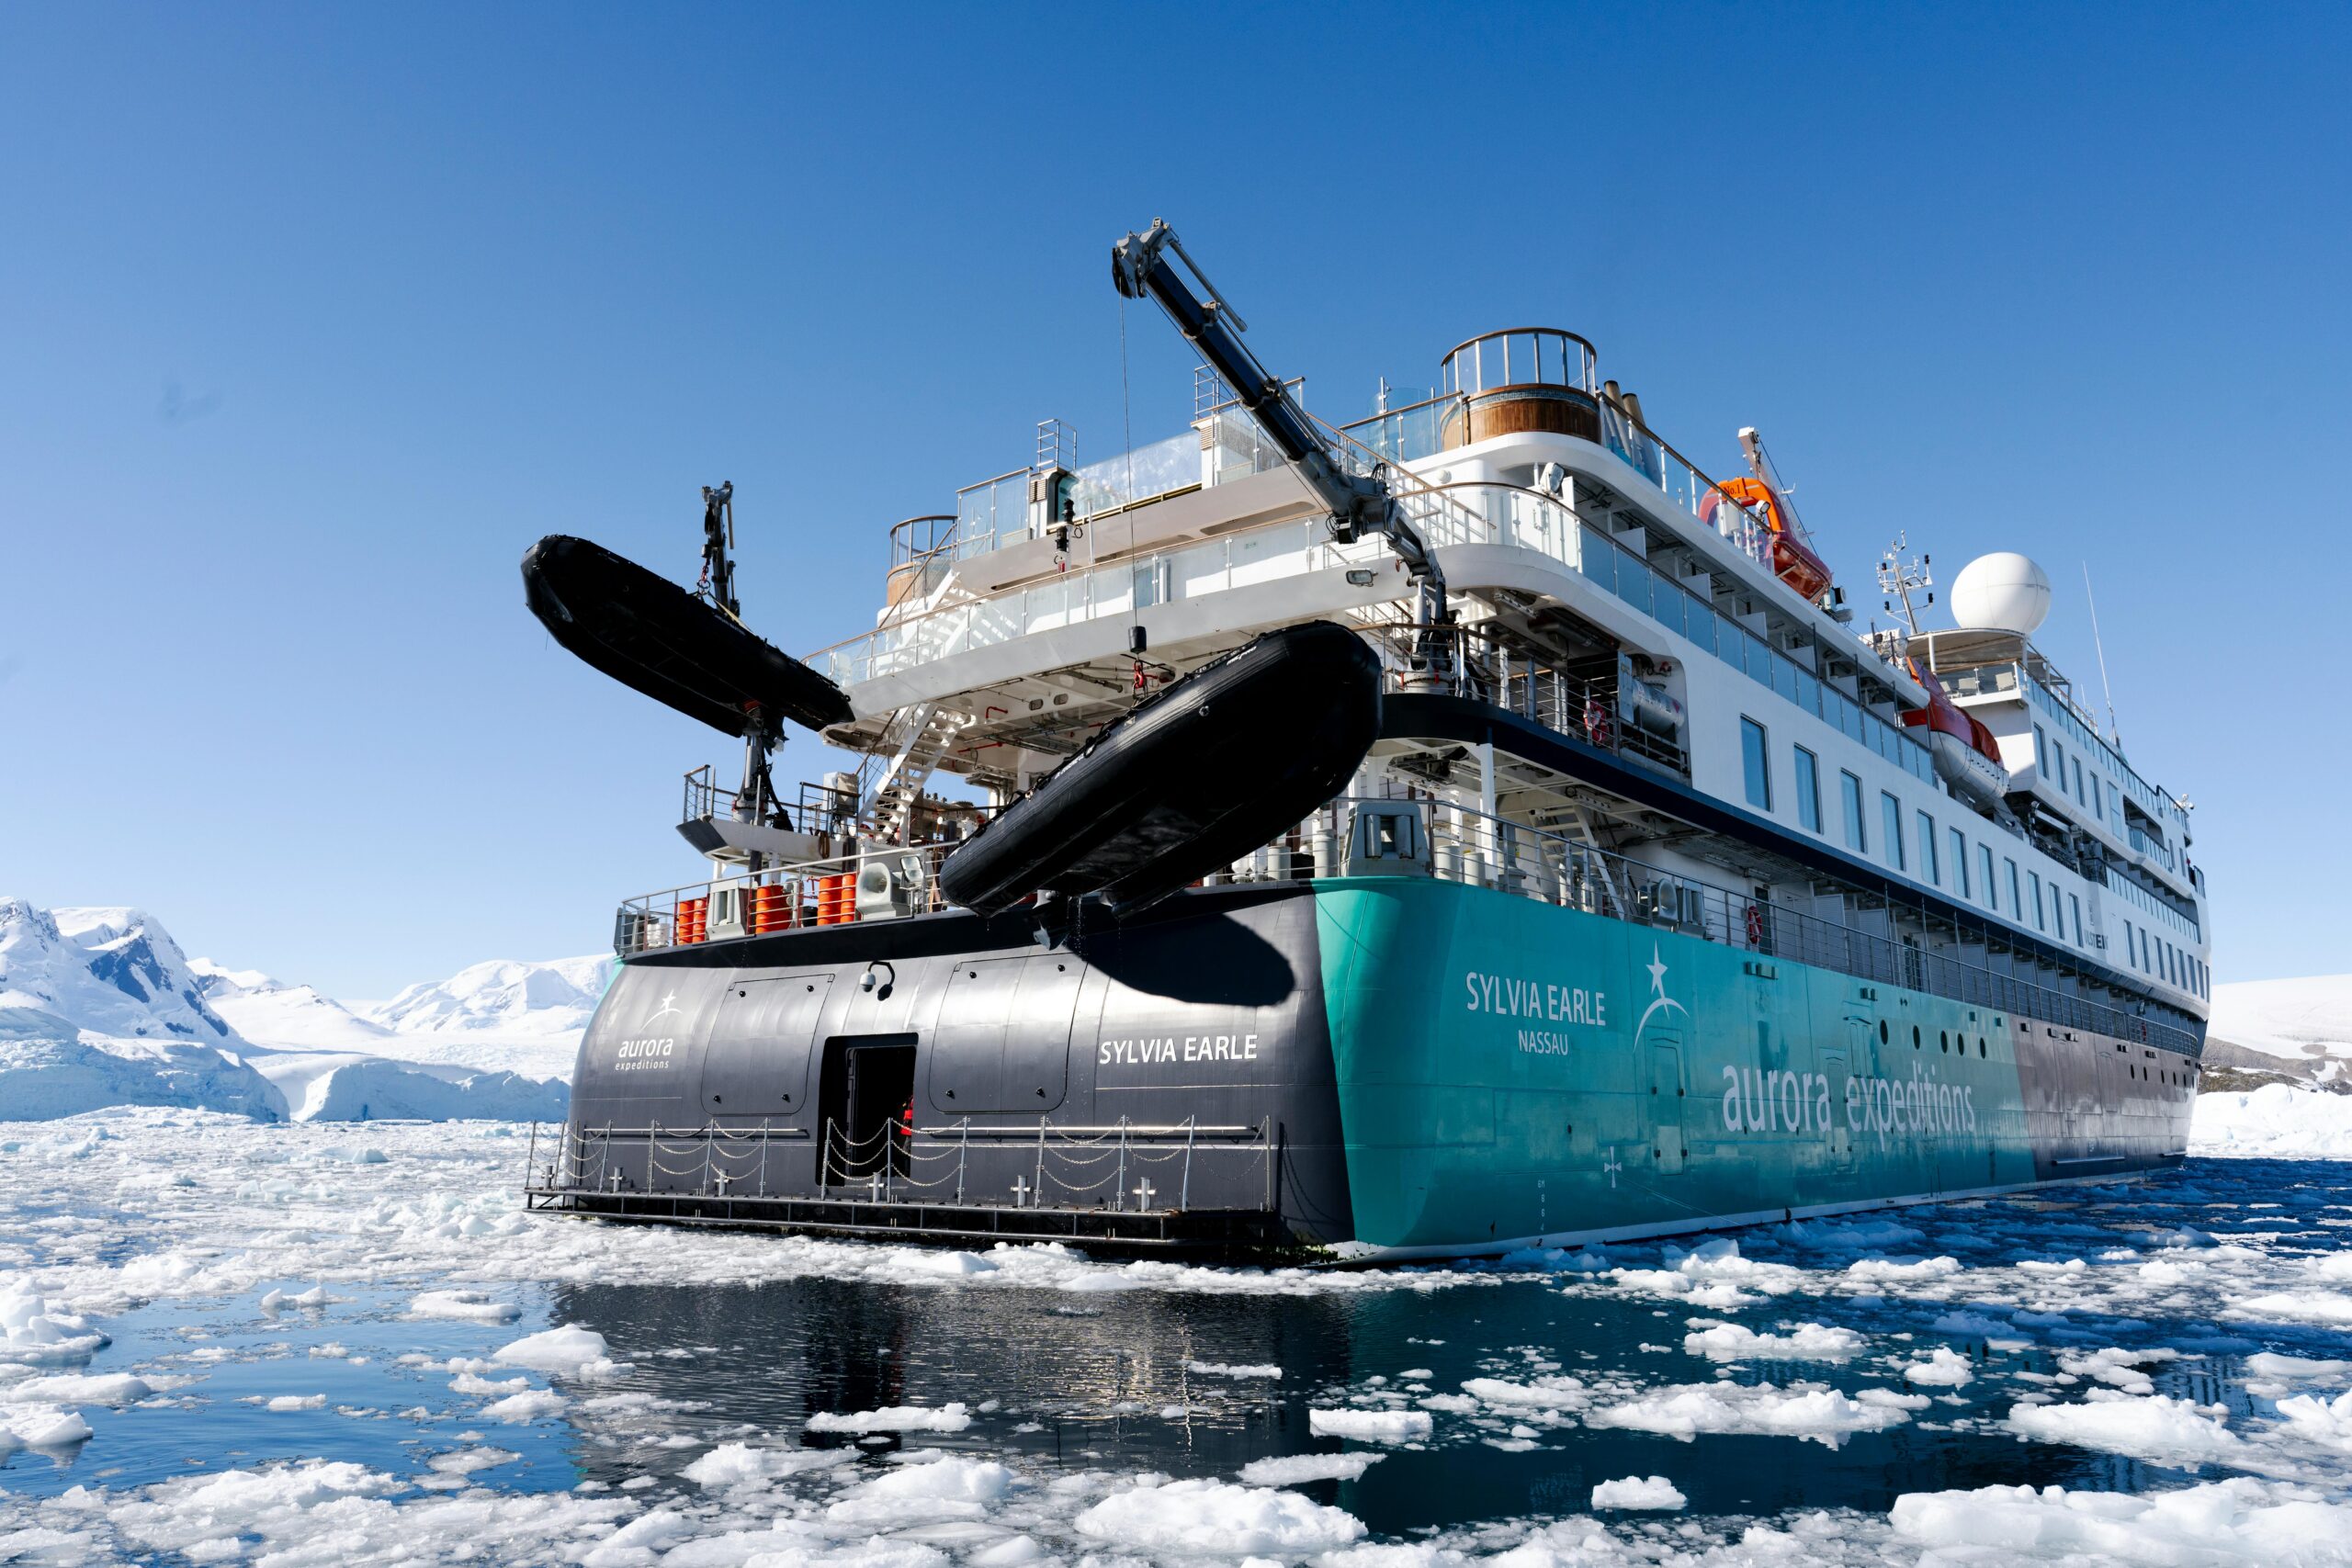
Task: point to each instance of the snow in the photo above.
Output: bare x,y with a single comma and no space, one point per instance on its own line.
1292,1470
1197,1517
2275,1122
114,972
1370,1426
1224,1369
1639,1492
42,1427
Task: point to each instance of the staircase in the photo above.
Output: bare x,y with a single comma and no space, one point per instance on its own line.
926,731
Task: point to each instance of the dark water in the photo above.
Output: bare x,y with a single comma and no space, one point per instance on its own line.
1099,1380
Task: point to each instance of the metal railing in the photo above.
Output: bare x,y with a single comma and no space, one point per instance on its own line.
792,898
1471,848
1070,1166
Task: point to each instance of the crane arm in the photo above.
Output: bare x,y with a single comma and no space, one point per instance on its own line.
1359,504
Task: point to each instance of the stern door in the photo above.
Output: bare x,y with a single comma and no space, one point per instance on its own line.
757,1062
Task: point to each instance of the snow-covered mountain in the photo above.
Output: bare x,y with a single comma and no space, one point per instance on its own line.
99,1006
114,971
502,998
2302,1028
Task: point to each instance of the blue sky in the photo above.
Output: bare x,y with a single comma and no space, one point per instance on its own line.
311,319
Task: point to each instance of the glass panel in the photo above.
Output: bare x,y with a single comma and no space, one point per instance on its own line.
1808,693
1666,602
1758,657
1632,581
1600,557
1784,678
1702,626
1731,643
1756,764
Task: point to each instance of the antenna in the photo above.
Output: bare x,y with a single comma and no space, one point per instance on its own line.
2113,734
718,539
1898,577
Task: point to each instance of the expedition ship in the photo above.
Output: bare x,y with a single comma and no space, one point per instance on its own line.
1465,830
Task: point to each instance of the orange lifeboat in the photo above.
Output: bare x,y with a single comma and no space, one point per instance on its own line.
1965,752
1793,560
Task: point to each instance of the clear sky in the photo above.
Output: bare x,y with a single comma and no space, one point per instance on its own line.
313,318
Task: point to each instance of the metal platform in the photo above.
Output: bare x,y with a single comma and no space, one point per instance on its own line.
1202,1232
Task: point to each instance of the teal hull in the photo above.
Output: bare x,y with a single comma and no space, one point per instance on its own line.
1510,1073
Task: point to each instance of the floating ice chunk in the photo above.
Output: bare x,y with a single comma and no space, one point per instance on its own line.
471,1306
640,1540
1944,1368
1543,1394
2324,1421
1908,1272
469,1382
295,1401
2323,1307
2228,1521
1205,1517
1229,1370
1803,1342
1809,1411
1639,1492
1290,1470
42,1427
740,1464
897,1418
1010,1553
2269,1364
532,1405
1369,1425
570,1349
949,1487
35,1329
91,1388
2115,1366
465,1461
2152,1427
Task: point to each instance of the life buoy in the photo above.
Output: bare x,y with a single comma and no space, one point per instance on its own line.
1755,926
1596,722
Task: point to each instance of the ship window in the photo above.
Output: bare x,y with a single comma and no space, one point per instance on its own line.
1943,1040
1808,791
1960,861
1929,872
1882,1031
1915,1040
2016,902
1985,867
2077,903
1980,1046
2078,781
2033,879
1758,759
1850,789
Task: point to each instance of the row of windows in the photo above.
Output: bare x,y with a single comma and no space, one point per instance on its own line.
1972,878
2153,954
2151,799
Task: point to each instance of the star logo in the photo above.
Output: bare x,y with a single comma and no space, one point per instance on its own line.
669,1006
1656,966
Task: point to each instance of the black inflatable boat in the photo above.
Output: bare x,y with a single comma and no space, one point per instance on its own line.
650,634
1203,774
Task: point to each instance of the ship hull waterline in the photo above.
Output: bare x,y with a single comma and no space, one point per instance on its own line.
1380,1067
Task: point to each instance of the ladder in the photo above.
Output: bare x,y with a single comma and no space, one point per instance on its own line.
890,805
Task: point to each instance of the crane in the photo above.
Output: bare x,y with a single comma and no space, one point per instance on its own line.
1358,504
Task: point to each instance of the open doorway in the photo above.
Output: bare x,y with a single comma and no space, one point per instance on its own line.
865,1093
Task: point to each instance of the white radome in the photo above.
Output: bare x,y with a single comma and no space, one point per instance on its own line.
2003,591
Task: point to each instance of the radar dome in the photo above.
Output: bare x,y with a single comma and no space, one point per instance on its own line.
2003,591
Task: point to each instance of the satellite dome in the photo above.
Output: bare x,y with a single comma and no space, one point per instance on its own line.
2003,591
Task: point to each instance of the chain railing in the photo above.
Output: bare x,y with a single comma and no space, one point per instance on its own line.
1068,1166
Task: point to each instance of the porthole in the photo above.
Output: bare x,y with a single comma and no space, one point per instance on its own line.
1882,1031
1943,1040
1915,1037
1980,1046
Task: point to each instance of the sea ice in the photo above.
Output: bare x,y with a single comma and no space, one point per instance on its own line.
1199,1517
2150,1427
1809,1411
1639,1492
1803,1342
1370,1426
952,1417
1290,1470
